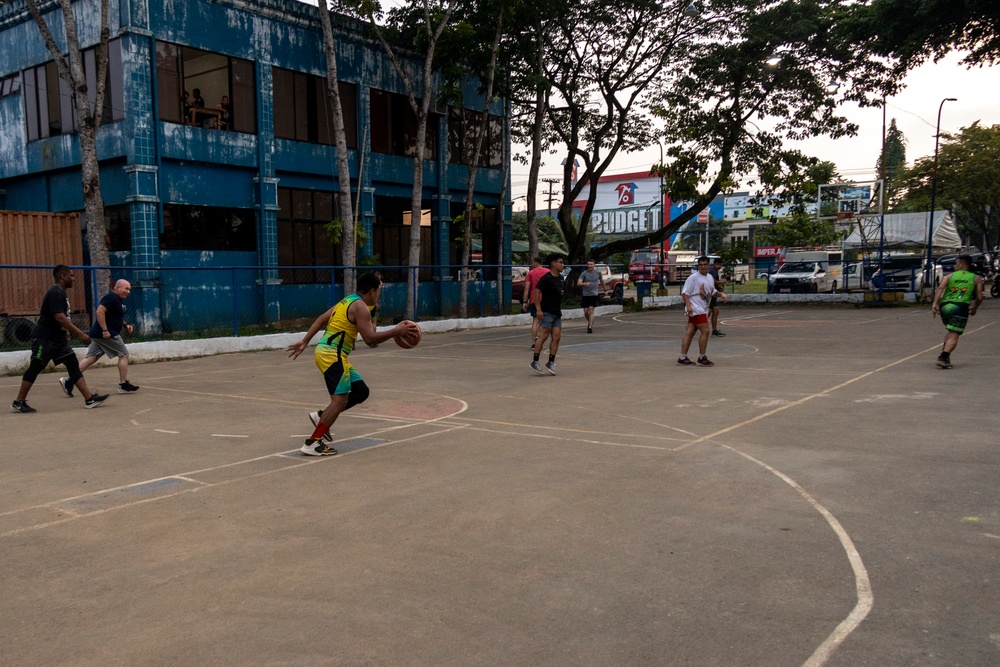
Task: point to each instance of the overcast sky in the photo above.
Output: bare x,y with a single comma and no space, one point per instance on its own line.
915,110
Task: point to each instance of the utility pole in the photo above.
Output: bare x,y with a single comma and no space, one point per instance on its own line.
551,181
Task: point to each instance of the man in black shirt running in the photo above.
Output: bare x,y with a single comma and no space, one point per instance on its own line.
548,309
50,342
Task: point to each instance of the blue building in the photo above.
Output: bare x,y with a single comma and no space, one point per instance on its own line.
189,184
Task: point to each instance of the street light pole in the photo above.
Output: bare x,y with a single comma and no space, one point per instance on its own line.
928,279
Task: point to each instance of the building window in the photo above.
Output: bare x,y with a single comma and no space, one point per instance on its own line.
484,235
48,100
303,112
394,126
391,237
464,125
10,85
117,225
206,89
208,228
303,241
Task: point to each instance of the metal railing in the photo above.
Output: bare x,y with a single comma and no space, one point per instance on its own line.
218,301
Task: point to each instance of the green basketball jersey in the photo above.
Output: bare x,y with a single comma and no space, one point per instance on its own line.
961,287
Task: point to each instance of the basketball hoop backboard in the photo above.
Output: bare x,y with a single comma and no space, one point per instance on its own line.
844,201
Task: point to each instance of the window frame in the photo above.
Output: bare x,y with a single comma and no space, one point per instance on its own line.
41,87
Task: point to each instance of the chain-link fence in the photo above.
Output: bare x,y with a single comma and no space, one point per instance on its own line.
170,303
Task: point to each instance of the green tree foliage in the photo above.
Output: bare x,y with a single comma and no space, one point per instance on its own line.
548,229
759,74
895,164
911,31
800,190
737,252
601,61
968,180
800,229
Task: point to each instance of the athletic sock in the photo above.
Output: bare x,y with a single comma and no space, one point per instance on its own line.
320,431
552,358
535,356
683,356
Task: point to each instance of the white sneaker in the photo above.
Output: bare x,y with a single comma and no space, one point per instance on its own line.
317,448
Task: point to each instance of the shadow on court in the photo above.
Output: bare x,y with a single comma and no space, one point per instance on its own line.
823,495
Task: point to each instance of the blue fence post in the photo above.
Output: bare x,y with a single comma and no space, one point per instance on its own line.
236,320
95,298
482,288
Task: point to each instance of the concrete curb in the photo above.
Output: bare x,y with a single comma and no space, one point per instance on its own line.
14,363
853,297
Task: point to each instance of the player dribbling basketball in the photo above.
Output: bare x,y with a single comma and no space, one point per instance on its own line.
341,324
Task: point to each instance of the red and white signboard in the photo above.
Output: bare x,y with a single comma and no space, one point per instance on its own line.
703,216
767,251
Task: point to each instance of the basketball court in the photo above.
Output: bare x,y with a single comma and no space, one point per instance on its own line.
823,496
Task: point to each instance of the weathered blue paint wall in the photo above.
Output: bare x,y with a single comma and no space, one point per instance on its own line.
147,163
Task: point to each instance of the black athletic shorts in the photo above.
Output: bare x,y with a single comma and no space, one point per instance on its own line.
46,351
588,301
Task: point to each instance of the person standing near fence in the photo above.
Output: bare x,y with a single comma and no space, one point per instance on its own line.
591,281
106,337
50,342
548,312
341,324
720,286
952,301
699,288
528,295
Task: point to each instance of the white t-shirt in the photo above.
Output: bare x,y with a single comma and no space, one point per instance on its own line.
700,288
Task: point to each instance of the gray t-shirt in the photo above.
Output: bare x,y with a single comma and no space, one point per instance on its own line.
591,282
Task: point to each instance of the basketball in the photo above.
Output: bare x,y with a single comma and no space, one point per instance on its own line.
406,342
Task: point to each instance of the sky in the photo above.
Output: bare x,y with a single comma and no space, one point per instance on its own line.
914,108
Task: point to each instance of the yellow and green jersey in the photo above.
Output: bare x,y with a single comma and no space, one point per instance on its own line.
340,333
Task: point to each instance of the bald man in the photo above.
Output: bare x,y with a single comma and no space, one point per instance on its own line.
106,337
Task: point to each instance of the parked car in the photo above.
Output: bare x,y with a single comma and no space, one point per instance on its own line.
801,276
616,282
982,264
517,276
858,275
899,272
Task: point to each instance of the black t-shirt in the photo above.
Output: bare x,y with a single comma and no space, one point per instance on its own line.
47,327
715,274
114,316
551,288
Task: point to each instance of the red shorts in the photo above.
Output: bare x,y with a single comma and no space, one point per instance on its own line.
698,319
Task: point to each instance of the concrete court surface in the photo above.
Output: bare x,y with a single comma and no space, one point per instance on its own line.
825,496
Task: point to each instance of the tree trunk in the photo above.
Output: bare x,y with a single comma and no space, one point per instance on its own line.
345,208
463,298
536,153
421,112
70,68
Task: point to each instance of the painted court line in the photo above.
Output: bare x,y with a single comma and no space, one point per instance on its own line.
568,430
545,436
862,583
806,399
57,505
186,476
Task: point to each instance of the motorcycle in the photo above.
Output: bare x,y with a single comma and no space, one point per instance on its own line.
995,287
